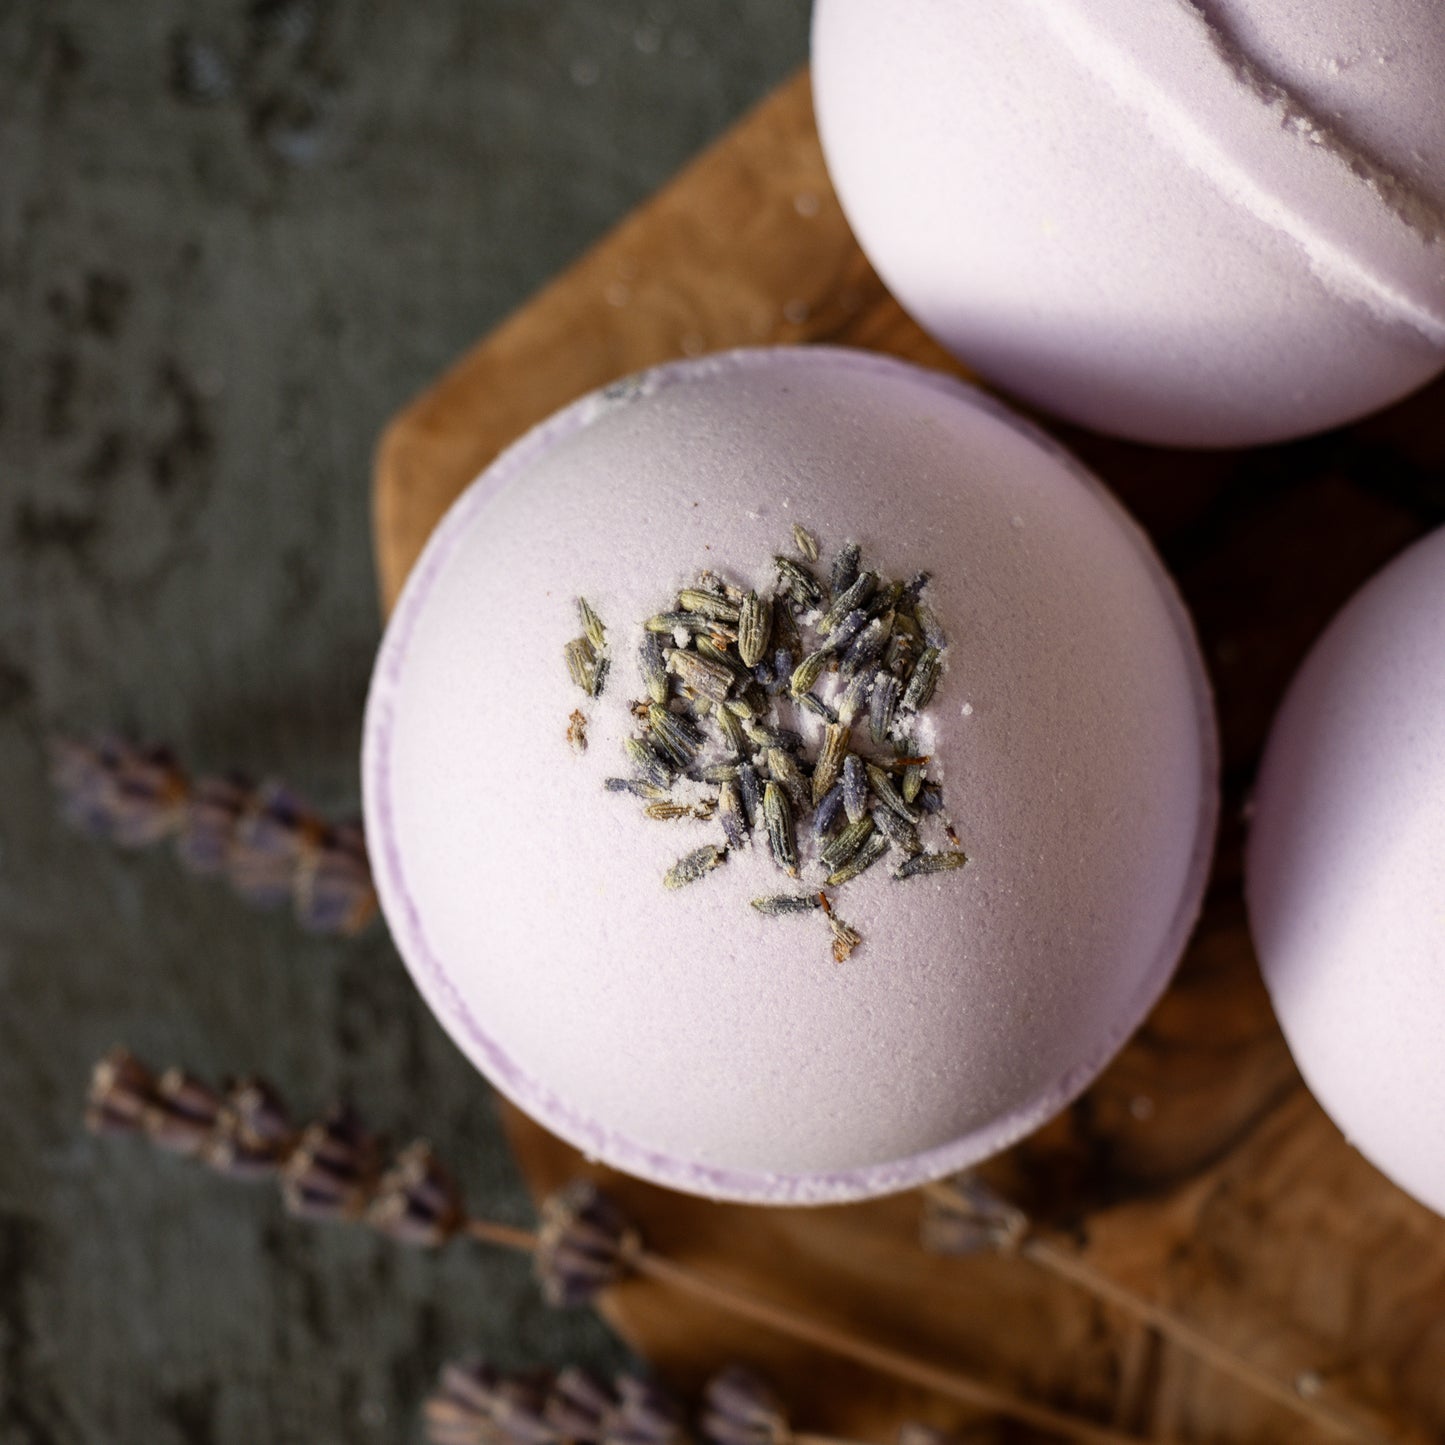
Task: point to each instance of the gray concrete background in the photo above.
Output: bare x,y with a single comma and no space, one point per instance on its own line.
234,237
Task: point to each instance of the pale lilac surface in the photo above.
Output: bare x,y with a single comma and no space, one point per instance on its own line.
1214,223
682,1036
1344,874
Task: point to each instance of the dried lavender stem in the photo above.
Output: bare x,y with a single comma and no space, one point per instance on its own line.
1066,1265
504,1236
950,1383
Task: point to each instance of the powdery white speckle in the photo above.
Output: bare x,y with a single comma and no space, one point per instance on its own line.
967,709
806,203
796,311
618,294
692,344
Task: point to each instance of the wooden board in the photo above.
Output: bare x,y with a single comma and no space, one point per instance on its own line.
1197,1170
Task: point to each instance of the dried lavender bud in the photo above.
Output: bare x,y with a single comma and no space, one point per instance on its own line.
752,793
772,737
333,1171
808,671
121,1090
778,816
800,582
867,645
705,678
182,1114
583,1245
680,739
855,787
208,824
579,1405
126,795
417,1200
805,542
845,569
845,938
848,842
730,729
653,663
775,905
668,812
577,731
912,783
811,702
785,628
592,625
829,767
731,815
709,649
887,794
899,831
253,1135
636,787
646,759
707,604
334,889
886,691
924,863
755,627
693,622
923,681
973,1218
874,847
843,634
855,695
928,625
784,769
856,594
645,1414
476,1404
828,811
692,866
898,655
266,850
714,773
741,1408
930,798
458,1411
581,659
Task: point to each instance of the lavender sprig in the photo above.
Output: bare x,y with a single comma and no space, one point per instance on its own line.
333,1169
270,847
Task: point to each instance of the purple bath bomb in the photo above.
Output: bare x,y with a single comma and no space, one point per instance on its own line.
682,1035
1344,870
1200,224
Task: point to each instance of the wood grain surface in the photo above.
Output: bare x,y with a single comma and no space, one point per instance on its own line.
1197,1170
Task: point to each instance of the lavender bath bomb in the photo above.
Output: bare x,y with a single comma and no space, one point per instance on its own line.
1195,224
569,867
1343,870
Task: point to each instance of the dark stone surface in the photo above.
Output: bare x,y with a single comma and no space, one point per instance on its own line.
234,237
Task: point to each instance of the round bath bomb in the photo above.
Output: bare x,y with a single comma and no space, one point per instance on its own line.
1344,870
1196,224
671,907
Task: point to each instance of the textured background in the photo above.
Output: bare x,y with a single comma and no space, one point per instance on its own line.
235,236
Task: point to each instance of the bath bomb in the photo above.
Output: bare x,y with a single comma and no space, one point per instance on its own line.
570,867
1344,870
1190,223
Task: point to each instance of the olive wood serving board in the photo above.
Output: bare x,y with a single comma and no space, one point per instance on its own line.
1197,1170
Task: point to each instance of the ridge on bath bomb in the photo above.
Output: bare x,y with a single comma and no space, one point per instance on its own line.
790,776
1343,870
1189,222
